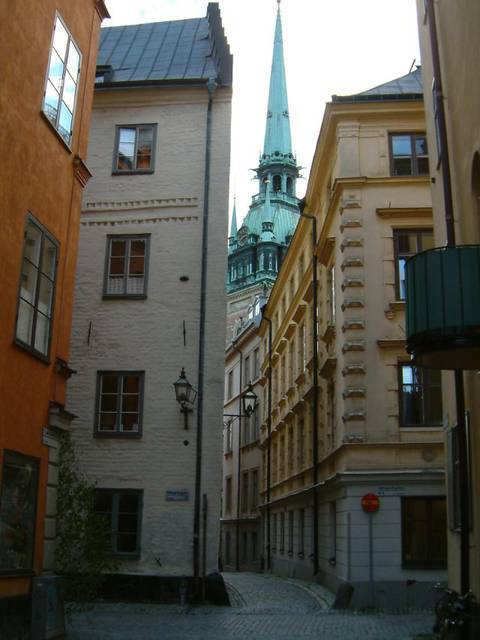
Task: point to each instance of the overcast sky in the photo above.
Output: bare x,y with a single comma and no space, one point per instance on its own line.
330,46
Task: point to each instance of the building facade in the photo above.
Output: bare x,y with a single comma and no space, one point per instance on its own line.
348,415
147,302
241,534
46,101
450,45
257,248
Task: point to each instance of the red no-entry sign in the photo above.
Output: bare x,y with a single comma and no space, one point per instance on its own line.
370,503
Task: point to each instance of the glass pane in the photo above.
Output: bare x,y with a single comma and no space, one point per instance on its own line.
129,421
73,61
407,243
55,71
42,333
17,511
60,38
127,523
127,136
402,167
28,283
422,166
45,296
433,405
65,123
407,375
125,158
131,384
50,103
128,503
109,384
24,322
48,258
145,135
137,266
69,89
137,248
401,145
115,285
130,403
109,402
421,146
135,285
118,248
107,421
117,266
33,239
144,156
412,405
402,288
127,543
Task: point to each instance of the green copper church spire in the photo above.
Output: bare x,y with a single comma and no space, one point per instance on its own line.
233,226
277,132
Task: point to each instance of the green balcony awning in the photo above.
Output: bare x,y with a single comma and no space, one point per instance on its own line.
443,307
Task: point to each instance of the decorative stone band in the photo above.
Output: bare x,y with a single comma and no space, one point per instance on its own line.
133,205
129,221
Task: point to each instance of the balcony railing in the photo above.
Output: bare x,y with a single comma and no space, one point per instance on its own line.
443,307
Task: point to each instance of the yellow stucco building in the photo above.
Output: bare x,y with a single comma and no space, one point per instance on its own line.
344,412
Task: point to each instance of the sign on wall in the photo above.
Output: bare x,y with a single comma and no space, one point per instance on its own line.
177,495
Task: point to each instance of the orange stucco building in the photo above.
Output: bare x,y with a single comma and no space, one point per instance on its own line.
46,95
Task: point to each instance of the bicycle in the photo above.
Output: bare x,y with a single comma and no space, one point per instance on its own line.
453,614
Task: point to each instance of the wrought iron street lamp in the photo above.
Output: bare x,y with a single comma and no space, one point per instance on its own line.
186,395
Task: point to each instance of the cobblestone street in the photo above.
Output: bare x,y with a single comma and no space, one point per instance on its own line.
263,607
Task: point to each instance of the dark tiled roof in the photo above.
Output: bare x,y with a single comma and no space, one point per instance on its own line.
408,87
193,49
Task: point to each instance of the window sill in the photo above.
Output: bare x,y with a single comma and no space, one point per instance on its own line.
33,352
124,296
59,137
135,172
117,434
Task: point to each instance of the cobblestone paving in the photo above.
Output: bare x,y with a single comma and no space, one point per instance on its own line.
264,608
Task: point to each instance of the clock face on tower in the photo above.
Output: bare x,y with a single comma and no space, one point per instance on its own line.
242,235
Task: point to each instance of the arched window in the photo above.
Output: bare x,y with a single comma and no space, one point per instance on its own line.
277,183
289,186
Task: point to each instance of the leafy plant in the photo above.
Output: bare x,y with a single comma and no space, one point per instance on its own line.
81,552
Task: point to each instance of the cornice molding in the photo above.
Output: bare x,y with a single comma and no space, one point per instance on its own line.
101,9
135,205
80,170
120,221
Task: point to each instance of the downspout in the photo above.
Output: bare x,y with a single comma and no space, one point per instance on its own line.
239,470
269,439
313,220
211,85
450,229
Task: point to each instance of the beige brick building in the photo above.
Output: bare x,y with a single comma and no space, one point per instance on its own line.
353,417
147,302
450,66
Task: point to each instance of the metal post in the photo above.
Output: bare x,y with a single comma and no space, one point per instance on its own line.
239,457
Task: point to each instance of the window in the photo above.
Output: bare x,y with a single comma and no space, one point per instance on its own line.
244,501
282,532
408,242
256,418
301,445
301,532
18,505
119,403
254,495
37,288
290,532
228,495
424,533
228,437
409,154
256,364
134,149
230,384
302,348
126,274
62,81
246,371
331,296
420,396
122,513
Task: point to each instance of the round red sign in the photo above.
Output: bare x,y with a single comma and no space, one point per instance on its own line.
370,502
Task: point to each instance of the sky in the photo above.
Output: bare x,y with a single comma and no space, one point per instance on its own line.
330,47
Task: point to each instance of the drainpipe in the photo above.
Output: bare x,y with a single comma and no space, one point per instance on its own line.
239,457
269,438
211,85
450,228
313,220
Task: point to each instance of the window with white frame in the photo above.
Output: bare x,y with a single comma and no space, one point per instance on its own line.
420,396
407,243
134,149
126,269
121,510
119,404
62,81
37,287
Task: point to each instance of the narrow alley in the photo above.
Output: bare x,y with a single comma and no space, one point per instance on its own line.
264,607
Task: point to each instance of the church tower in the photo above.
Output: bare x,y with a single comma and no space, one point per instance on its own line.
257,248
